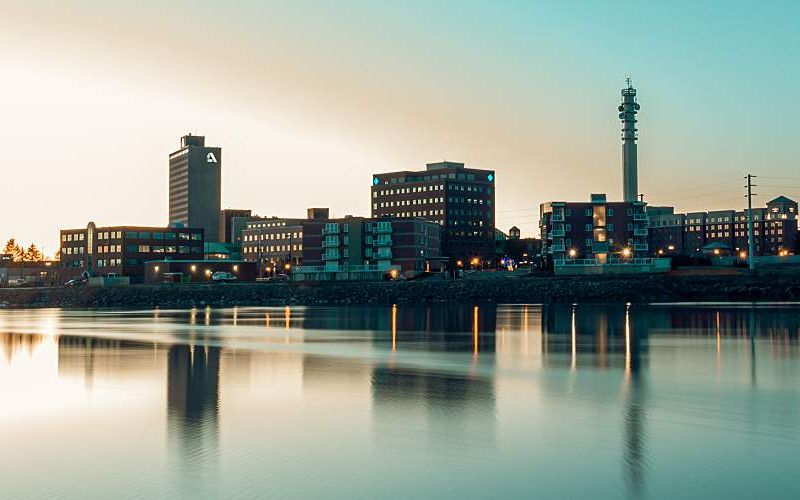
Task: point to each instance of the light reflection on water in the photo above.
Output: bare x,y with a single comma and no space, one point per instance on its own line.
658,401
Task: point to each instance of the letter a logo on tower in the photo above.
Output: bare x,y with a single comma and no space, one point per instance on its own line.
211,158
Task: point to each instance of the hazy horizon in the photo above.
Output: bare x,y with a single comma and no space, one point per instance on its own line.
308,101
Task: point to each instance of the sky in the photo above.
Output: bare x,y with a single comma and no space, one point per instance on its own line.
308,99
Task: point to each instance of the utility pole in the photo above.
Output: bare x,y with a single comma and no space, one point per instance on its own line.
751,241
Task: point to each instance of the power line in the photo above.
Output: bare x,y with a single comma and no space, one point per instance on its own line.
695,188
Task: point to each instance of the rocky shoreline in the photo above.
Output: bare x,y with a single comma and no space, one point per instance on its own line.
763,286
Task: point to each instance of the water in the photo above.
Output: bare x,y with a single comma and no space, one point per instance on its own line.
595,401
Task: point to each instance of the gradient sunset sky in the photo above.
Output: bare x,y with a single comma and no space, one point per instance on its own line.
307,99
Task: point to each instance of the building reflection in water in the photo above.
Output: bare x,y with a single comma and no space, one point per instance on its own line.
456,408
193,409
634,412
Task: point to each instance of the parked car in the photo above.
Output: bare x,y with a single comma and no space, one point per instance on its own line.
76,282
222,277
279,277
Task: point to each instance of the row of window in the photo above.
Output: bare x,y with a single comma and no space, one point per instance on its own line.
257,225
162,249
272,236
468,234
152,235
109,262
424,189
421,178
588,212
272,248
73,237
405,203
418,213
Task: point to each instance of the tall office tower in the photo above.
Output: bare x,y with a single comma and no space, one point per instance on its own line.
627,114
195,178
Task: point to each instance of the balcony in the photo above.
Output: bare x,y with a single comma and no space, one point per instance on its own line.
558,218
557,233
383,229
330,229
330,256
330,244
640,247
558,248
640,231
600,246
640,216
383,242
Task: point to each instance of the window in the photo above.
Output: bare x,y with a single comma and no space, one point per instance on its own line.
588,227
587,212
610,227
610,212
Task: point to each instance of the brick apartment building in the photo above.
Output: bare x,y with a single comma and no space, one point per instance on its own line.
412,244
724,231
597,230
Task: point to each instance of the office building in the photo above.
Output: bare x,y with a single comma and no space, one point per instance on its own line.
724,232
274,243
459,199
195,186
123,250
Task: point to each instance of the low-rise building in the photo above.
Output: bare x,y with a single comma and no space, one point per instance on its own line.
123,250
369,248
276,243
716,232
17,273
594,232
198,271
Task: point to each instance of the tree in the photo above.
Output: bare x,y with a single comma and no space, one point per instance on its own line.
33,254
12,248
11,244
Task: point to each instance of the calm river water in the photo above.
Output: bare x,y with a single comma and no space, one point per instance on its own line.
589,401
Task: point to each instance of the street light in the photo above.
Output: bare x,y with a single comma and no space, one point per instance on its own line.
626,252
573,253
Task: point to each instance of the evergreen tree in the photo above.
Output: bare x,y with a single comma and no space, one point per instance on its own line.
11,245
33,254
